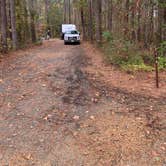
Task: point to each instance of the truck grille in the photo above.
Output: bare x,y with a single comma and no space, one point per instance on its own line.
72,38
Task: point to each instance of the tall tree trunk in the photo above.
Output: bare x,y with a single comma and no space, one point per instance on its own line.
126,20
4,25
83,23
69,11
161,20
139,24
98,21
159,29
151,24
90,21
32,21
110,12
46,11
65,12
145,25
133,36
164,29
13,23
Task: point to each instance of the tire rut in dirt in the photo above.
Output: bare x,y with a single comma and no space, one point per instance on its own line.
78,90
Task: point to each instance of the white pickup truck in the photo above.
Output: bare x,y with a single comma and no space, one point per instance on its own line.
72,36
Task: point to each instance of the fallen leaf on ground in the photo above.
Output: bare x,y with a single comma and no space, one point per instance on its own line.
92,117
76,117
28,157
43,85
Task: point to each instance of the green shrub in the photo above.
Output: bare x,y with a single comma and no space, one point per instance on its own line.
107,36
135,60
162,55
117,59
162,49
162,62
127,45
148,59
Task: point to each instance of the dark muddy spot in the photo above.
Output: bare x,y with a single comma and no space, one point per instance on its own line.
79,89
76,92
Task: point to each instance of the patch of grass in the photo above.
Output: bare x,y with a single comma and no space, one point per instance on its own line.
107,36
140,67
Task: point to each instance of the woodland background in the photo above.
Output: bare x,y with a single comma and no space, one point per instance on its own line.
126,30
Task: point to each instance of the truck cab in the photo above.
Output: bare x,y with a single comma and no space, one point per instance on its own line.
72,36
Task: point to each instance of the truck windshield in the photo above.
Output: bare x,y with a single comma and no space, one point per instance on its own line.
72,32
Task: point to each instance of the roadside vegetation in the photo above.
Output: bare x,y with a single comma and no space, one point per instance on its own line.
127,31
130,56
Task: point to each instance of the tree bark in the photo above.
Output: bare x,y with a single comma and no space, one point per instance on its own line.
90,25
161,21
32,21
13,23
69,12
83,23
133,36
98,21
110,12
4,25
164,30
139,24
46,11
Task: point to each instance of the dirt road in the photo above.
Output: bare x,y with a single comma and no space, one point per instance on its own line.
56,110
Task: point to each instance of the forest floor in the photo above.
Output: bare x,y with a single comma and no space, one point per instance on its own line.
64,106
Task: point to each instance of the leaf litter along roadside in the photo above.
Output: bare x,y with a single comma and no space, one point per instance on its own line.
74,117
144,105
